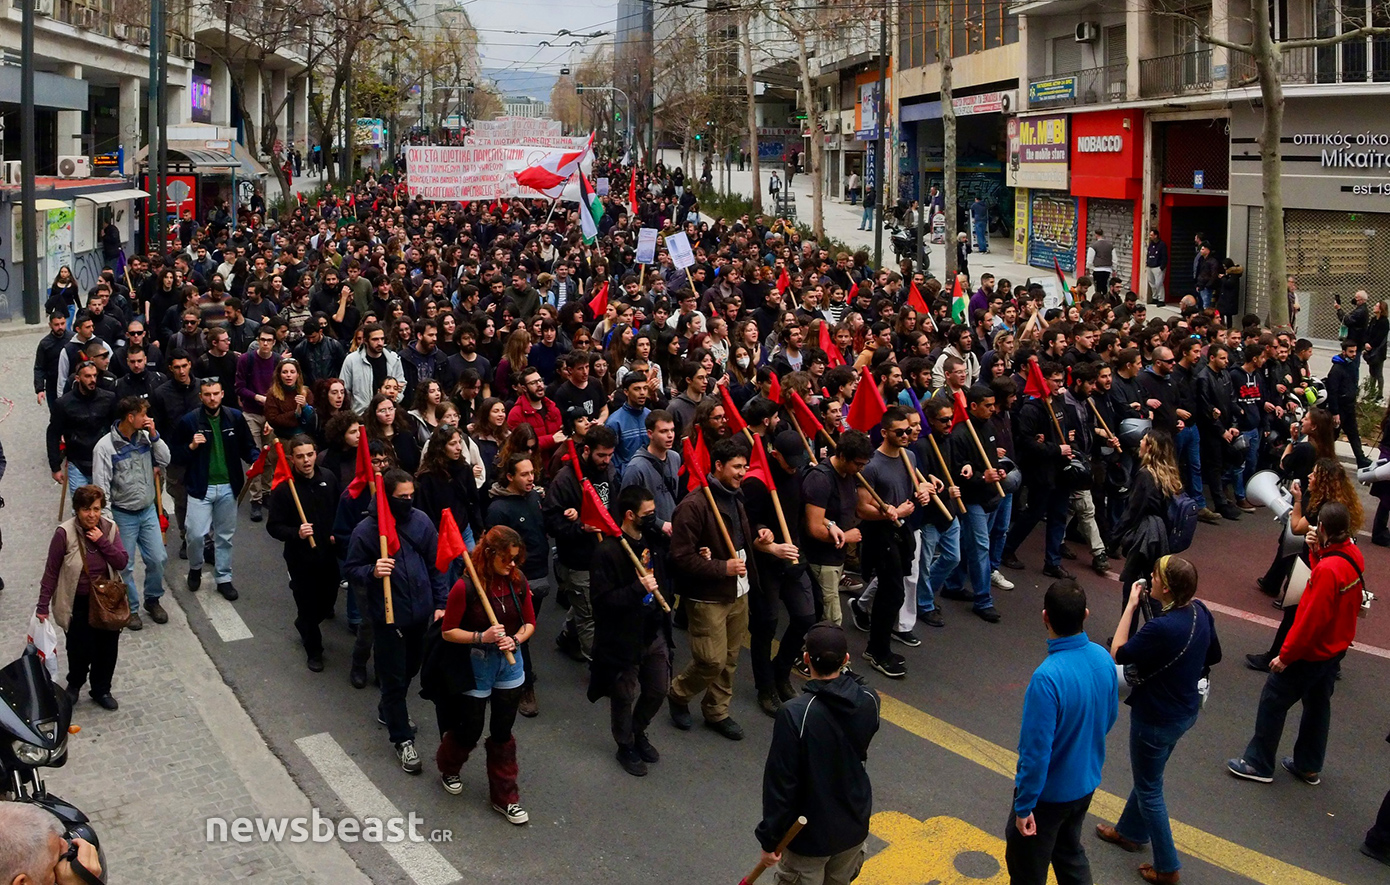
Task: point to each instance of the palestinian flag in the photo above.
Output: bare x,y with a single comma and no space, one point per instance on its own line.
590,209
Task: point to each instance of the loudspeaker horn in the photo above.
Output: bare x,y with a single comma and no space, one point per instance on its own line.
1377,472
1263,490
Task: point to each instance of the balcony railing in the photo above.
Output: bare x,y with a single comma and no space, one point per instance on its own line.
1180,74
1358,63
1089,86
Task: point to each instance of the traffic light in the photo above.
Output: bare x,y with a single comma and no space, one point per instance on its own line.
617,116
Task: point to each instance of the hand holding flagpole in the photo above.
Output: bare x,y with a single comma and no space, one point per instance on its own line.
487,603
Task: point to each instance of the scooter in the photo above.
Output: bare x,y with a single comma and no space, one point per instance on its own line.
904,243
35,720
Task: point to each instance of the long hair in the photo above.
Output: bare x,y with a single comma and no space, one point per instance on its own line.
372,426
617,350
1161,460
1323,436
436,462
277,389
480,420
500,538
517,348
521,441
1329,483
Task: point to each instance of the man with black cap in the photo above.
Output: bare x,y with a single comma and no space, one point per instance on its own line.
816,769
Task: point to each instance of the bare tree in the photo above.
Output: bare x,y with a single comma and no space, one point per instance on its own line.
750,98
948,134
1267,54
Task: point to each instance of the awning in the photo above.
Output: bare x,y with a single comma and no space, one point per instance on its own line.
210,162
45,205
105,197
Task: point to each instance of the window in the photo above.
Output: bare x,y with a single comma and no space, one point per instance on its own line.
975,25
1354,61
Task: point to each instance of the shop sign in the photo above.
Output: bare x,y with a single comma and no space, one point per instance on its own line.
1099,144
1349,150
985,103
1056,89
1042,140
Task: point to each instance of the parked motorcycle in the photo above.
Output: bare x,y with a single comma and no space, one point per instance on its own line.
35,717
904,243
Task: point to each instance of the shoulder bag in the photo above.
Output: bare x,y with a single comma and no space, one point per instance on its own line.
108,606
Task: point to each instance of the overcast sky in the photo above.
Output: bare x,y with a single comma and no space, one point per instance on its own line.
537,20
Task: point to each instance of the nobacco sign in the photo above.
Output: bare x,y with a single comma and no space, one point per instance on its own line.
1099,144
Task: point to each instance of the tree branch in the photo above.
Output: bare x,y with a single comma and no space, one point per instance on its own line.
1319,42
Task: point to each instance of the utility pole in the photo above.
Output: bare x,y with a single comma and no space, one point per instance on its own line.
882,141
948,142
28,158
163,118
158,235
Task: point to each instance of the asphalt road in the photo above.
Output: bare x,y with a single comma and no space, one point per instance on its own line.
691,819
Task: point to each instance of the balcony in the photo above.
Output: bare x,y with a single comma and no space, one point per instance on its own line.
1186,73
1089,86
1348,63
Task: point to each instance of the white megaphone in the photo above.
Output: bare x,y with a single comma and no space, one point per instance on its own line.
1377,472
1263,490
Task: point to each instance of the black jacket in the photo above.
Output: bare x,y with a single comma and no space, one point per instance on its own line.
523,514
1214,394
574,545
458,492
625,624
1041,462
964,451
816,768
170,402
319,497
82,420
46,366
1154,386
143,385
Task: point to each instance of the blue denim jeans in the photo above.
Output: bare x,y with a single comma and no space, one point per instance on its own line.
999,531
981,235
937,560
216,513
76,479
1239,474
1145,818
1189,446
1204,296
1043,504
975,534
867,218
142,529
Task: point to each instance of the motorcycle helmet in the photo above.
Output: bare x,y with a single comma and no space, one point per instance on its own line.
1132,430
1315,394
1013,479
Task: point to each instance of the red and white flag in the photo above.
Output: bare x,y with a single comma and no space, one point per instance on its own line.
553,170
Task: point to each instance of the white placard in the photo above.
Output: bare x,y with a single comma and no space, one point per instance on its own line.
463,174
679,247
646,245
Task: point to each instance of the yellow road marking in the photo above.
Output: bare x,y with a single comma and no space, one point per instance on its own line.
927,850
1190,840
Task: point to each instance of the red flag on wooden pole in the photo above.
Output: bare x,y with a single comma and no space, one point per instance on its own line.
451,544
959,413
1035,384
385,521
867,407
731,412
695,463
594,515
775,393
803,416
363,477
915,299
833,356
282,466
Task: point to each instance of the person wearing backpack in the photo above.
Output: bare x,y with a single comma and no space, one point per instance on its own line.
1163,663
1308,663
1144,529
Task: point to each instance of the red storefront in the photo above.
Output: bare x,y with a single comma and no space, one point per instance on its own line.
1107,169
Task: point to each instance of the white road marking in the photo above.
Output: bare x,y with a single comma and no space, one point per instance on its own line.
1271,622
421,861
223,615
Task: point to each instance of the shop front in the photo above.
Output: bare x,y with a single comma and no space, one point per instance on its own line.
1107,180
981,146
1336,187
1045,212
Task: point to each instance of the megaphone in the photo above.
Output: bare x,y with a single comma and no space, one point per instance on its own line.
1263,490
1289,543
1377,472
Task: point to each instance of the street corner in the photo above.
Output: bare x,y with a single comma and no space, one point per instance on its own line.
936,851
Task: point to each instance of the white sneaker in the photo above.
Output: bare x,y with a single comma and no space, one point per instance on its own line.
999,582
410,759
514,813
452,784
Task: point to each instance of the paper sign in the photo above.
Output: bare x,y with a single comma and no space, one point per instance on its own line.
679,247
646,245
601,187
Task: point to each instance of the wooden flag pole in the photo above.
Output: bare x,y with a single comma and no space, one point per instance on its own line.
882,504
944,469
487,603
63,491
294,493
246,484
642,572
642,277
379,489
776,501
804,441
781,846
158,502
1103,426
719,520
989,462
692,280
913,474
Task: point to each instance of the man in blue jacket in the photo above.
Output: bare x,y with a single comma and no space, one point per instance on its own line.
419,593
1070,706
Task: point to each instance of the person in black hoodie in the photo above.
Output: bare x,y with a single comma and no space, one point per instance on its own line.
1342,384
1216,422
313,569
574,541
632,635
816,768
517,505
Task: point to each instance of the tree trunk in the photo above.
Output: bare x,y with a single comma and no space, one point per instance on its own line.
948,141
1267,63
808,95
751,90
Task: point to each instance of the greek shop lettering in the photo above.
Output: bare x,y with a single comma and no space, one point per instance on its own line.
1349,150
1099,144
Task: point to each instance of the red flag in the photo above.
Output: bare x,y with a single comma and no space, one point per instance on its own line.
1036,384
803,416
758,468
775,394
1062,280
451,544
598,305
731,412
915,299
960,413
282,466
867,407
385,522
833,357
302,199
352,199
784,280
363,476
632,192
695,463
573,458
257,466
593,514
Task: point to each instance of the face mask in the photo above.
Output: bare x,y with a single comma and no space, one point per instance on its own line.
650,524
743,362
401,507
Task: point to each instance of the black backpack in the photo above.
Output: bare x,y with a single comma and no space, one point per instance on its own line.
1181,521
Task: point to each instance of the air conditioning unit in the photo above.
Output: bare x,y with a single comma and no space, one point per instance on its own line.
190,49
43,7
74,167
175,46
140,36
85,17
120,30
14,170
1087,32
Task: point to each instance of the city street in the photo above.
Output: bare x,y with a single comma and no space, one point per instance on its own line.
227,721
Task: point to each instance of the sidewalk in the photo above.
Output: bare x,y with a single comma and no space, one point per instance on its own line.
842,222
181,748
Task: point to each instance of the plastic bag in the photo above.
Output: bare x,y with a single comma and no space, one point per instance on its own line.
44,637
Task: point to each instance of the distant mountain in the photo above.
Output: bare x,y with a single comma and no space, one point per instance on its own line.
518,83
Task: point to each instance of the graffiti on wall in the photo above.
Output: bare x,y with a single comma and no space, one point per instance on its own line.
1052,230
